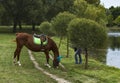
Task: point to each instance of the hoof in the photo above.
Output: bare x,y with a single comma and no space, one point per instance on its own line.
19,63
47,65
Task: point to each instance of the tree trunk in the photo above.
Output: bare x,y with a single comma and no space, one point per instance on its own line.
86,58
60,42
67,47
33,26
14,26
20,26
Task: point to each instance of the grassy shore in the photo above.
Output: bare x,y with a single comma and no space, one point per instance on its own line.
9,73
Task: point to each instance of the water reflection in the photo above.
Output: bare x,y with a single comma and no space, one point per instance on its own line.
113,57
113,51
111,54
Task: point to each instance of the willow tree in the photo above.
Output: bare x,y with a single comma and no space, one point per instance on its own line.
87,34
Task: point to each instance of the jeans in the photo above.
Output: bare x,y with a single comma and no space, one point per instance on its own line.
76,58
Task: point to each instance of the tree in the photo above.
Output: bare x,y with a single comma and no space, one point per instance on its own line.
87,34
96,2
79,7
115,11
117,21
19,10
45,28
97,14
60,25
53,7
35,14
84,10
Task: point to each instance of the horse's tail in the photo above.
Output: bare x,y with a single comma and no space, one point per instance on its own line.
16,34
15,39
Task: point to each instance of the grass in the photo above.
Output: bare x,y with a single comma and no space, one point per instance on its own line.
9,73
96,72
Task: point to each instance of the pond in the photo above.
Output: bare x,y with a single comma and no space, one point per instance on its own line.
113,51
113,58
111,54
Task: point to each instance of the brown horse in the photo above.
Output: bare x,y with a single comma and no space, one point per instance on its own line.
25,39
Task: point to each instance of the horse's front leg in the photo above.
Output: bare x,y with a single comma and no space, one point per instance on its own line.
47,58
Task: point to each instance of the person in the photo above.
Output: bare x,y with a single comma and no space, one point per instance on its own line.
78,54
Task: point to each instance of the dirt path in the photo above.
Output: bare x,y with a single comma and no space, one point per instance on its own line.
59,80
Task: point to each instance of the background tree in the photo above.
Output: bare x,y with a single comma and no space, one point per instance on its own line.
35,14
79,7
97,14
115,11
18,10
112,13
117,21
90,11
53,7
60,25
88,34
95,2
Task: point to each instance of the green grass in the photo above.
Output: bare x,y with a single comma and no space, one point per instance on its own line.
9,73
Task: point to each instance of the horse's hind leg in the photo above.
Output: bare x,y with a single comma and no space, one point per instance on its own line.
17,54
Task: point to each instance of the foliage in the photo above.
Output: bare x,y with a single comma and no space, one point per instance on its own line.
115,11
53,7
45,27
112,14
95,2
84,10
110,20
86,33
117,20
20,10
96,13
35,13
79,7
60,23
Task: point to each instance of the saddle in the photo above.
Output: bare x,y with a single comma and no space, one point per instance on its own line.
40,39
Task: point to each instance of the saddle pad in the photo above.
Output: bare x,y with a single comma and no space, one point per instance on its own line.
37,40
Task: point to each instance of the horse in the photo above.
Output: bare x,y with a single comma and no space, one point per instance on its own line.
27,40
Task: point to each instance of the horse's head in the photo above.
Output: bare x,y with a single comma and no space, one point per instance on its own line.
55,63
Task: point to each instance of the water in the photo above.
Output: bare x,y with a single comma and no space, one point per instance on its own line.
113,58
113,51
115,34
